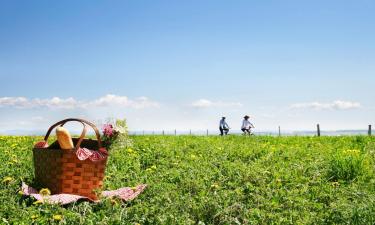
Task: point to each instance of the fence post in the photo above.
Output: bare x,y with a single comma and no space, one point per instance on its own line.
190,131
175,132
318,129
143,132
369,130
207,132
163,132
279,131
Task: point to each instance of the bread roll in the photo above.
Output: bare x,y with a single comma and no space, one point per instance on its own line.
64,138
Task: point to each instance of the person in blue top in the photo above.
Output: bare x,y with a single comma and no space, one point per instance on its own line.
223,127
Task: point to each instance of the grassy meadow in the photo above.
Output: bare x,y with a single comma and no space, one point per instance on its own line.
212,180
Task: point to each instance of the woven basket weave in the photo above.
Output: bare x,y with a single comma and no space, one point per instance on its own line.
62,172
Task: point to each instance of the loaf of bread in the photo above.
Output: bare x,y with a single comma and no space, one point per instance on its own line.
64,138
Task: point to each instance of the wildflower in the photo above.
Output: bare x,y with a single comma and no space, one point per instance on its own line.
7,180
148,170
153,167
45,192
39,202
33,217
130,150
335,184
57,217
215,186
352,152
108,130
134,188
21,192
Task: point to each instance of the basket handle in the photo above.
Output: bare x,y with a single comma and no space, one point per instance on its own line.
83,134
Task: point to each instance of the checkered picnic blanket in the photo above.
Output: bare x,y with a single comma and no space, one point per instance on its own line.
126,194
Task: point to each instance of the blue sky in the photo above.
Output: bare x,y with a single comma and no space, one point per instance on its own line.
183,64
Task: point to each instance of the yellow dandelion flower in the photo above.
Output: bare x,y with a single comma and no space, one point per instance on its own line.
39,202
21,193
33,217
215,186
352,152
45,192
57,217
134,188
7,180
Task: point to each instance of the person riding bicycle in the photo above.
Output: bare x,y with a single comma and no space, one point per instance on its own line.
223,127
246,126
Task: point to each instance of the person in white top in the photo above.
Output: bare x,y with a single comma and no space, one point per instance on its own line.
246,126
223,127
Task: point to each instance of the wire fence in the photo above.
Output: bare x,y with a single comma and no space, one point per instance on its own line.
277,132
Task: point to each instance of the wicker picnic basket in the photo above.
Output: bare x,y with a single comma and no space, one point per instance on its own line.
62,172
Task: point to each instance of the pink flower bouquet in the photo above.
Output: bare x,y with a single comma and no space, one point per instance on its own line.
115,134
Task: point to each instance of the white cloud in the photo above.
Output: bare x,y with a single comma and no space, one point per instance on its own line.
204,103
335,105
22,102
55,102
19,102
123,101
71,103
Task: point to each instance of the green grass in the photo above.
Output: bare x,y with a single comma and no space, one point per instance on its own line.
213,180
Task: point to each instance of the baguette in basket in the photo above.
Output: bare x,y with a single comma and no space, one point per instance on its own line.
64,138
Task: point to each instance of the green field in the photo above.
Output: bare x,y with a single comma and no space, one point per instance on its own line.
212,180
